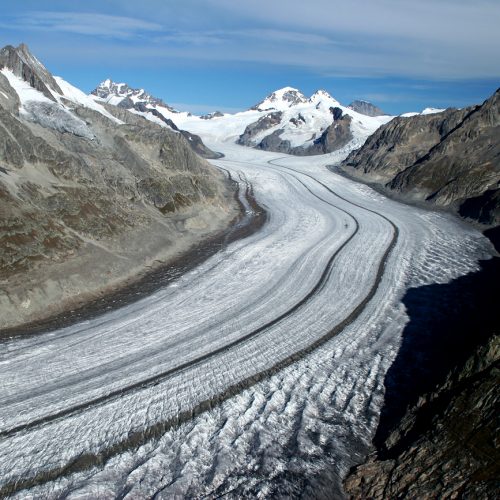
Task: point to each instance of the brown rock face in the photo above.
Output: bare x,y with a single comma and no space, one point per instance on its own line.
446,158
263,123
401,142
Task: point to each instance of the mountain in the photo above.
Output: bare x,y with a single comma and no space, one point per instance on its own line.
450,159
120,94
294,124
366,108
281,99
144,104
90,194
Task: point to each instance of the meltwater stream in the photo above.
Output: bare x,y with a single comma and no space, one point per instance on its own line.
259,373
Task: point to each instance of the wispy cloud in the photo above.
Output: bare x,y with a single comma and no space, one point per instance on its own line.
430,39
244,36
84,24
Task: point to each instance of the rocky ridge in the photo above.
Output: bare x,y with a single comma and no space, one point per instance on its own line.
150,107
90,195
366,108
120,94
450,159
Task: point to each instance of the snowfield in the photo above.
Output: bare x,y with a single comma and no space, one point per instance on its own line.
260,371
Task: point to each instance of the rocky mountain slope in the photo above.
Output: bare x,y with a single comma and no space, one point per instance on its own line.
438,430
446,446
450,159
144,104
90,195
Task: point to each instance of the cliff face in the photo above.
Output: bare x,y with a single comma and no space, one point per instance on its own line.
87,199
438,428
447,159
446,446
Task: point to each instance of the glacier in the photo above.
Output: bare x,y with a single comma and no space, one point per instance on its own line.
260,372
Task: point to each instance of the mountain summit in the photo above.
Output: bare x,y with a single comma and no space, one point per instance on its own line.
120,94
281,99
28,68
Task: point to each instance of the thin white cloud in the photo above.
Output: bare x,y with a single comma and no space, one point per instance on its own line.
426,39
86,24
217,37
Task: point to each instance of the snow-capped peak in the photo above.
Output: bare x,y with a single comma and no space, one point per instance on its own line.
281,99
323,96
120,94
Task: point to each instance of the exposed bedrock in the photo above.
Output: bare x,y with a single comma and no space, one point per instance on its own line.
439,425
450,159
86,201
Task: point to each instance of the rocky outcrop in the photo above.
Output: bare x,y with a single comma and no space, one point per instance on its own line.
448,159
445,446
210,116
262,124
366,108
82,212
334,137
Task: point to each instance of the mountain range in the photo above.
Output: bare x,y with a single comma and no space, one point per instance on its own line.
285,121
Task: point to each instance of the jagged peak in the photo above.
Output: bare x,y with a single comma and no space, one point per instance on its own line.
122,94
322,95
27,67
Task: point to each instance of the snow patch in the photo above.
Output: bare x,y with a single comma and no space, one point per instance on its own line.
78,97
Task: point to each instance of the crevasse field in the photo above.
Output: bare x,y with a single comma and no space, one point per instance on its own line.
292,329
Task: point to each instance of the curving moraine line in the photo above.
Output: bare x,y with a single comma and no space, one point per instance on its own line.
159,377
88,460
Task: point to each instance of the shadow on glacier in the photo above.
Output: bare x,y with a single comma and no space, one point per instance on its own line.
446,323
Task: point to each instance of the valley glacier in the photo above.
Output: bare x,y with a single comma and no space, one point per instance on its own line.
124,405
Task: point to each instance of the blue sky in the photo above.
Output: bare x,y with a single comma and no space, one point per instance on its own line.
202,55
